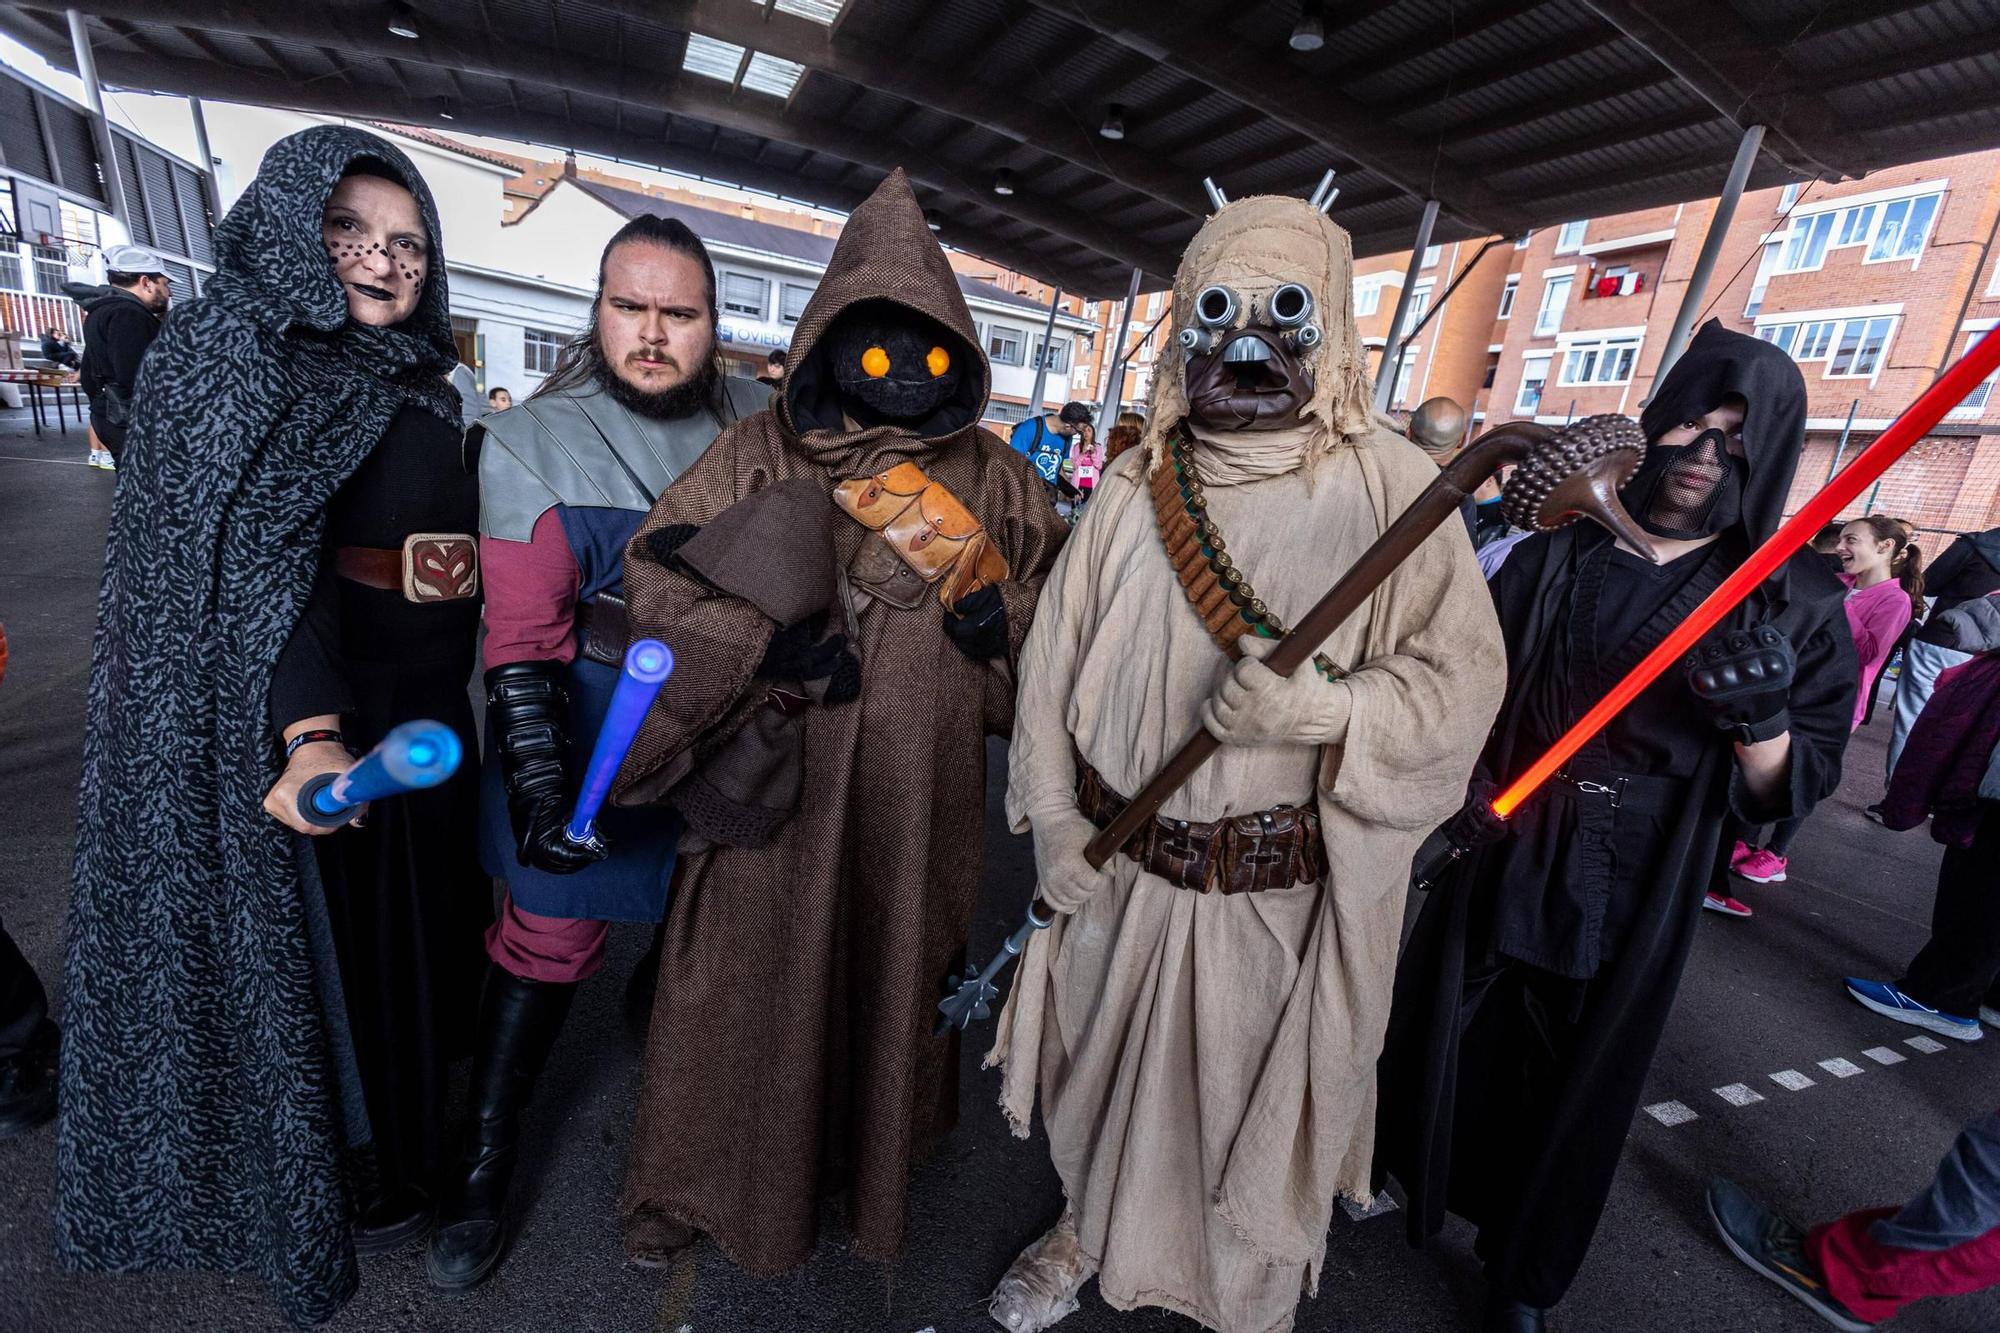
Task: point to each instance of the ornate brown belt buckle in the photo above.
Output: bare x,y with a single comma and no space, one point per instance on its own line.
440,566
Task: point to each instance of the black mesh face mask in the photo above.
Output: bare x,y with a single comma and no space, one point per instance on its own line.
1689,491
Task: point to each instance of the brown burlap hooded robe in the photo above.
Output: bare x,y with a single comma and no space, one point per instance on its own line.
790,1054
1206,1063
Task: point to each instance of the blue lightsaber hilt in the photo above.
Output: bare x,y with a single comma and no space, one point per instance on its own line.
648,663
414,756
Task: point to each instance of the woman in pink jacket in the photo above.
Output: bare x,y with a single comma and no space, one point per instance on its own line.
1884,573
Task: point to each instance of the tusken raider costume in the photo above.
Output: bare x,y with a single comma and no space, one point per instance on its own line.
565,478
1537,980
1203,1019
845,581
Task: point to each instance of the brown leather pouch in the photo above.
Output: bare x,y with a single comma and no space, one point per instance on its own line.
605,632
874,501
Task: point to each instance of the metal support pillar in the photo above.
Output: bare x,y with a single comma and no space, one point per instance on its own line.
1042,362
1711,249
100,128
210,187
1841,447
1392,348
1114,370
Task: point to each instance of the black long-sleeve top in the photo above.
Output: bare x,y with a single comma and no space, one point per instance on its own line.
418,479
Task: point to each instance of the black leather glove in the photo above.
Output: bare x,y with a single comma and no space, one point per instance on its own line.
525,707
978,624
1745,679
1475,825
799,652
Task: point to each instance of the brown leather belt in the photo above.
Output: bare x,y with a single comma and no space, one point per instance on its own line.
1272,849
427,567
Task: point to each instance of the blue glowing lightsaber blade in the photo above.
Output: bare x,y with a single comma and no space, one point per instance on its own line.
648,663
413,756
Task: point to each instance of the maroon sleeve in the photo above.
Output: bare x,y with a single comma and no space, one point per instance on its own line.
531,589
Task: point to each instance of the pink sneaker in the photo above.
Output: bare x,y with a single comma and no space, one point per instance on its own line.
1723,903
1762,866
1740,854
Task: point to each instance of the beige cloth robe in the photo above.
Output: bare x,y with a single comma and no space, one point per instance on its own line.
1207,1063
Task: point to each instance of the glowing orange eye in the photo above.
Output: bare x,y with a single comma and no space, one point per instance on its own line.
939,361
876,362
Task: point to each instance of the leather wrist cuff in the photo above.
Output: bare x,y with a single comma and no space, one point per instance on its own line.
1772,727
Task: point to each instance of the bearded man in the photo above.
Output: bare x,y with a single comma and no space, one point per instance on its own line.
1203,1017
564,480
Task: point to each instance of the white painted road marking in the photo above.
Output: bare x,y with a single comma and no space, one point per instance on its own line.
1924,1045
1738,1094
1791,1080
1882,1055
1356,1213
1840,1068
1671,1113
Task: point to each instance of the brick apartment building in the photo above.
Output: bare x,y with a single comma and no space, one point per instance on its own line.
1872,285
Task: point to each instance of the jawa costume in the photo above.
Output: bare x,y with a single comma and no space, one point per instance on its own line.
564,480
292,536
1203,1021
790,1055
1541,970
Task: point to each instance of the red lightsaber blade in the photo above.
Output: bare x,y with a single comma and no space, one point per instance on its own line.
1916,421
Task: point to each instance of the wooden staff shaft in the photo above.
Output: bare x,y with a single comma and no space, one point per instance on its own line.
1440,500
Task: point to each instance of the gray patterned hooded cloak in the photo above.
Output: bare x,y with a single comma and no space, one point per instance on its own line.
207,1108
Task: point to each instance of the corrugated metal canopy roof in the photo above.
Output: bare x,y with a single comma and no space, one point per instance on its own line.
1512,113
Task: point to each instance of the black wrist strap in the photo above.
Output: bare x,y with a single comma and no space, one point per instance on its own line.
313,737
1772,727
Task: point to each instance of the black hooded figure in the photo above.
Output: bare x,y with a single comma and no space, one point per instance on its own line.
1541,970
214,1114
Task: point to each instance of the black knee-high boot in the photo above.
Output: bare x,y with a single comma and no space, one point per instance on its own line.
518,1022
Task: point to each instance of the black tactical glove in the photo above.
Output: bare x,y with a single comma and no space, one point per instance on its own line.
1745,679
799,652
525,705
978,624
1475,825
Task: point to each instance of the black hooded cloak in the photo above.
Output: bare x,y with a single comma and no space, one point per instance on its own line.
1539,975
209,1095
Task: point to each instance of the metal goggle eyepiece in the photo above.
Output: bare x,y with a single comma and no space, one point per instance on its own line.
1290,306
1216,307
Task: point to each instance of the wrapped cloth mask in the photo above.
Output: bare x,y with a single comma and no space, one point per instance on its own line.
892,364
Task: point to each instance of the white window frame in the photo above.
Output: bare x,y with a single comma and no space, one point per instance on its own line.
1546,360
1789,196
1007,333
51,269
730,307
536,342
1767,264
1975,403
1881,228
1526,236
1432,253
1594,355
785,290
1818,335
1420,301
1569,239
1548,315
13,269
1861,222
1059,362
1510,290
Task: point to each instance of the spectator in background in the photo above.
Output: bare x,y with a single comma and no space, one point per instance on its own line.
1884,573
1130,429
1859,1270
27,1037
120,321
1968,569
1948,772
774,368
1086,462
1045,440
498,400
57,351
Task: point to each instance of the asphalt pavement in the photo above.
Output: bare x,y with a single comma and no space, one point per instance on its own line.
1761,997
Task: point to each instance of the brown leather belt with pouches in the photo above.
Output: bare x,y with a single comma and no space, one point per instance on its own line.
1272,849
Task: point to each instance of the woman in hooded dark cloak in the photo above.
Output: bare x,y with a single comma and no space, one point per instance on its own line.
258,1023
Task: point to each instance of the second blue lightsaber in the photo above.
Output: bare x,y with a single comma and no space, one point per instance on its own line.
648,663
413,756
